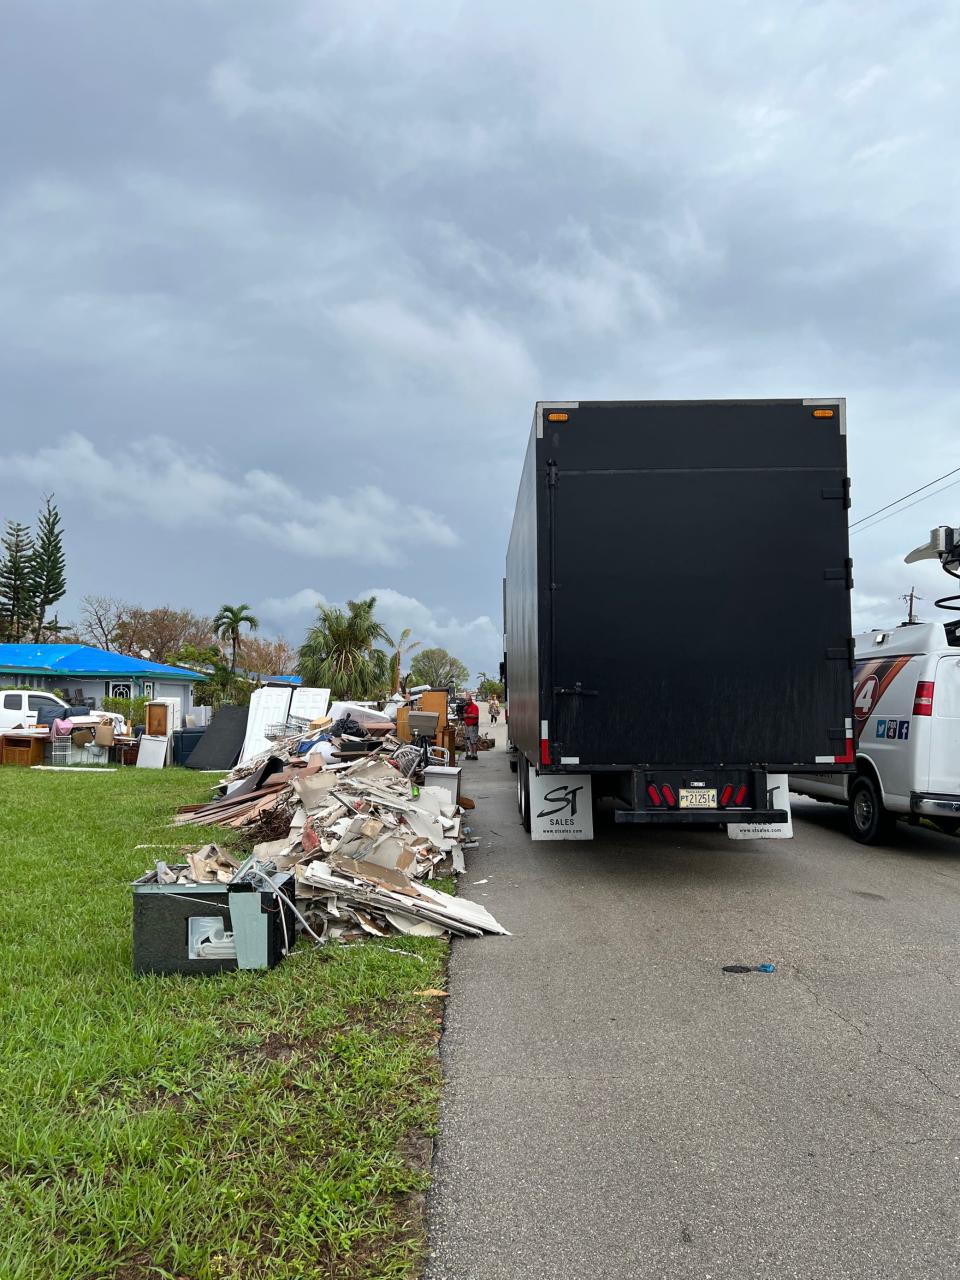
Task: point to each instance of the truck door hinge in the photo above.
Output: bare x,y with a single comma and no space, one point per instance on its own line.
844,575
553,474
841,494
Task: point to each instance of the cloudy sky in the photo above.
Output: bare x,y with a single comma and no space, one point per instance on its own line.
280,283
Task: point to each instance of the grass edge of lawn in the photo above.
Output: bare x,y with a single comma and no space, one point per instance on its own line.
88,1162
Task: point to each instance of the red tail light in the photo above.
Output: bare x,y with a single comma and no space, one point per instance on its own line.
741,796
544,750
923,698
669,795
725,795
654,795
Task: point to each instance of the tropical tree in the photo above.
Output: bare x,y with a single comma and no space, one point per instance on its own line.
221,684
488,687
17,598
404,646
340,652
227,624
438,669
47,566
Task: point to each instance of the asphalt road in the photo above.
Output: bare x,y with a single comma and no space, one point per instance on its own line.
617,1106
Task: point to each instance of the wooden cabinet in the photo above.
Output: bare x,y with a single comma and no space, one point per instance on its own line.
434,700
22,749
158,720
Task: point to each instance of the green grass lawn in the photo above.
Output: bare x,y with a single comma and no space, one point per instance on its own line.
262,1125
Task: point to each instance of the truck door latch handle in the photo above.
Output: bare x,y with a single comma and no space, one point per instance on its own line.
578,691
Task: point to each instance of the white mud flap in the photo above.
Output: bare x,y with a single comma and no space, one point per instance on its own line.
561,806
778,797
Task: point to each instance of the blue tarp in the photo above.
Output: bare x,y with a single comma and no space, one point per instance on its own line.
85,660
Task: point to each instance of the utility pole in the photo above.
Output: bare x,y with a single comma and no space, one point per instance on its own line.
908,601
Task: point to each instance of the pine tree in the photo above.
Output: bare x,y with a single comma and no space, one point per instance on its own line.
17,604
48,565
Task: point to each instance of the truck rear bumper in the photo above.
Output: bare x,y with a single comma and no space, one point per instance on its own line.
669,817
934,806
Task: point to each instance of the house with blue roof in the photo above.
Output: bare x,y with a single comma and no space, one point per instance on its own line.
81,671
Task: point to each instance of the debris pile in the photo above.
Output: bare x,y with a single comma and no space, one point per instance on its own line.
354,826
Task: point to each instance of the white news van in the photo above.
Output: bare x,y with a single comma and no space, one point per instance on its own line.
907,731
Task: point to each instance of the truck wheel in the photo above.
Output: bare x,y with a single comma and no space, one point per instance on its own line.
513,762
523,790
868,821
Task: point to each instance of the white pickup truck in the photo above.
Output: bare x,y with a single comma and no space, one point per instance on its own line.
907,731
20,708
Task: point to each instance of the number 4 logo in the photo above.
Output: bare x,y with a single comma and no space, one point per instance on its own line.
865,697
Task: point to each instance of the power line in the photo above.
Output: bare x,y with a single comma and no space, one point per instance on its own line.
908,506
864,519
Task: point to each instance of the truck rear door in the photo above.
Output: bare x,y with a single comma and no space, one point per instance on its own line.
699,589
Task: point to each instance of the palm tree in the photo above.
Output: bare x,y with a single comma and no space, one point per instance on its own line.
403,647
340,652
227,624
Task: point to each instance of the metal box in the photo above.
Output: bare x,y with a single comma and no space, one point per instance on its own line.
211,928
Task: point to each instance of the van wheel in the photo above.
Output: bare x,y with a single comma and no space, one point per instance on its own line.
869,822
523,792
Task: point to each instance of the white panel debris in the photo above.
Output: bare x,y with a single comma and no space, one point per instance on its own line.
268,706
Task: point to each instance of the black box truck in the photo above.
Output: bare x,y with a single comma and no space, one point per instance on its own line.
677,610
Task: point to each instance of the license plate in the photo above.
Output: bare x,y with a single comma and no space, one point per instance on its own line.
698,797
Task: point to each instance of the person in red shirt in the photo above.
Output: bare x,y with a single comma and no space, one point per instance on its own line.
471,726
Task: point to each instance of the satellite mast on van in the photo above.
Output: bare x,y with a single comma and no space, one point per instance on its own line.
943,545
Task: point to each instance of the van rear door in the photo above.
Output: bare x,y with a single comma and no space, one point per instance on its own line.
944,766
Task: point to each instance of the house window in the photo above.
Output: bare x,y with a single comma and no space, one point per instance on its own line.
148,688
120,689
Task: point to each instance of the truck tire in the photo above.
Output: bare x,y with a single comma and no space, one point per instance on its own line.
867,819
523,792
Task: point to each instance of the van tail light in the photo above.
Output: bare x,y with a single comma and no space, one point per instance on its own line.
669,795
654,794
923,698
544,750
725,795
741,797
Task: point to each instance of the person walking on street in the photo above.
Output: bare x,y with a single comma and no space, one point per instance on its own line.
471,726
494,709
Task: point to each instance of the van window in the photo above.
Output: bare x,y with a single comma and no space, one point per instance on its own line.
36,702
11,702
953,633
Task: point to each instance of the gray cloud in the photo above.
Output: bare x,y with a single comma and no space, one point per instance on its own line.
348,246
